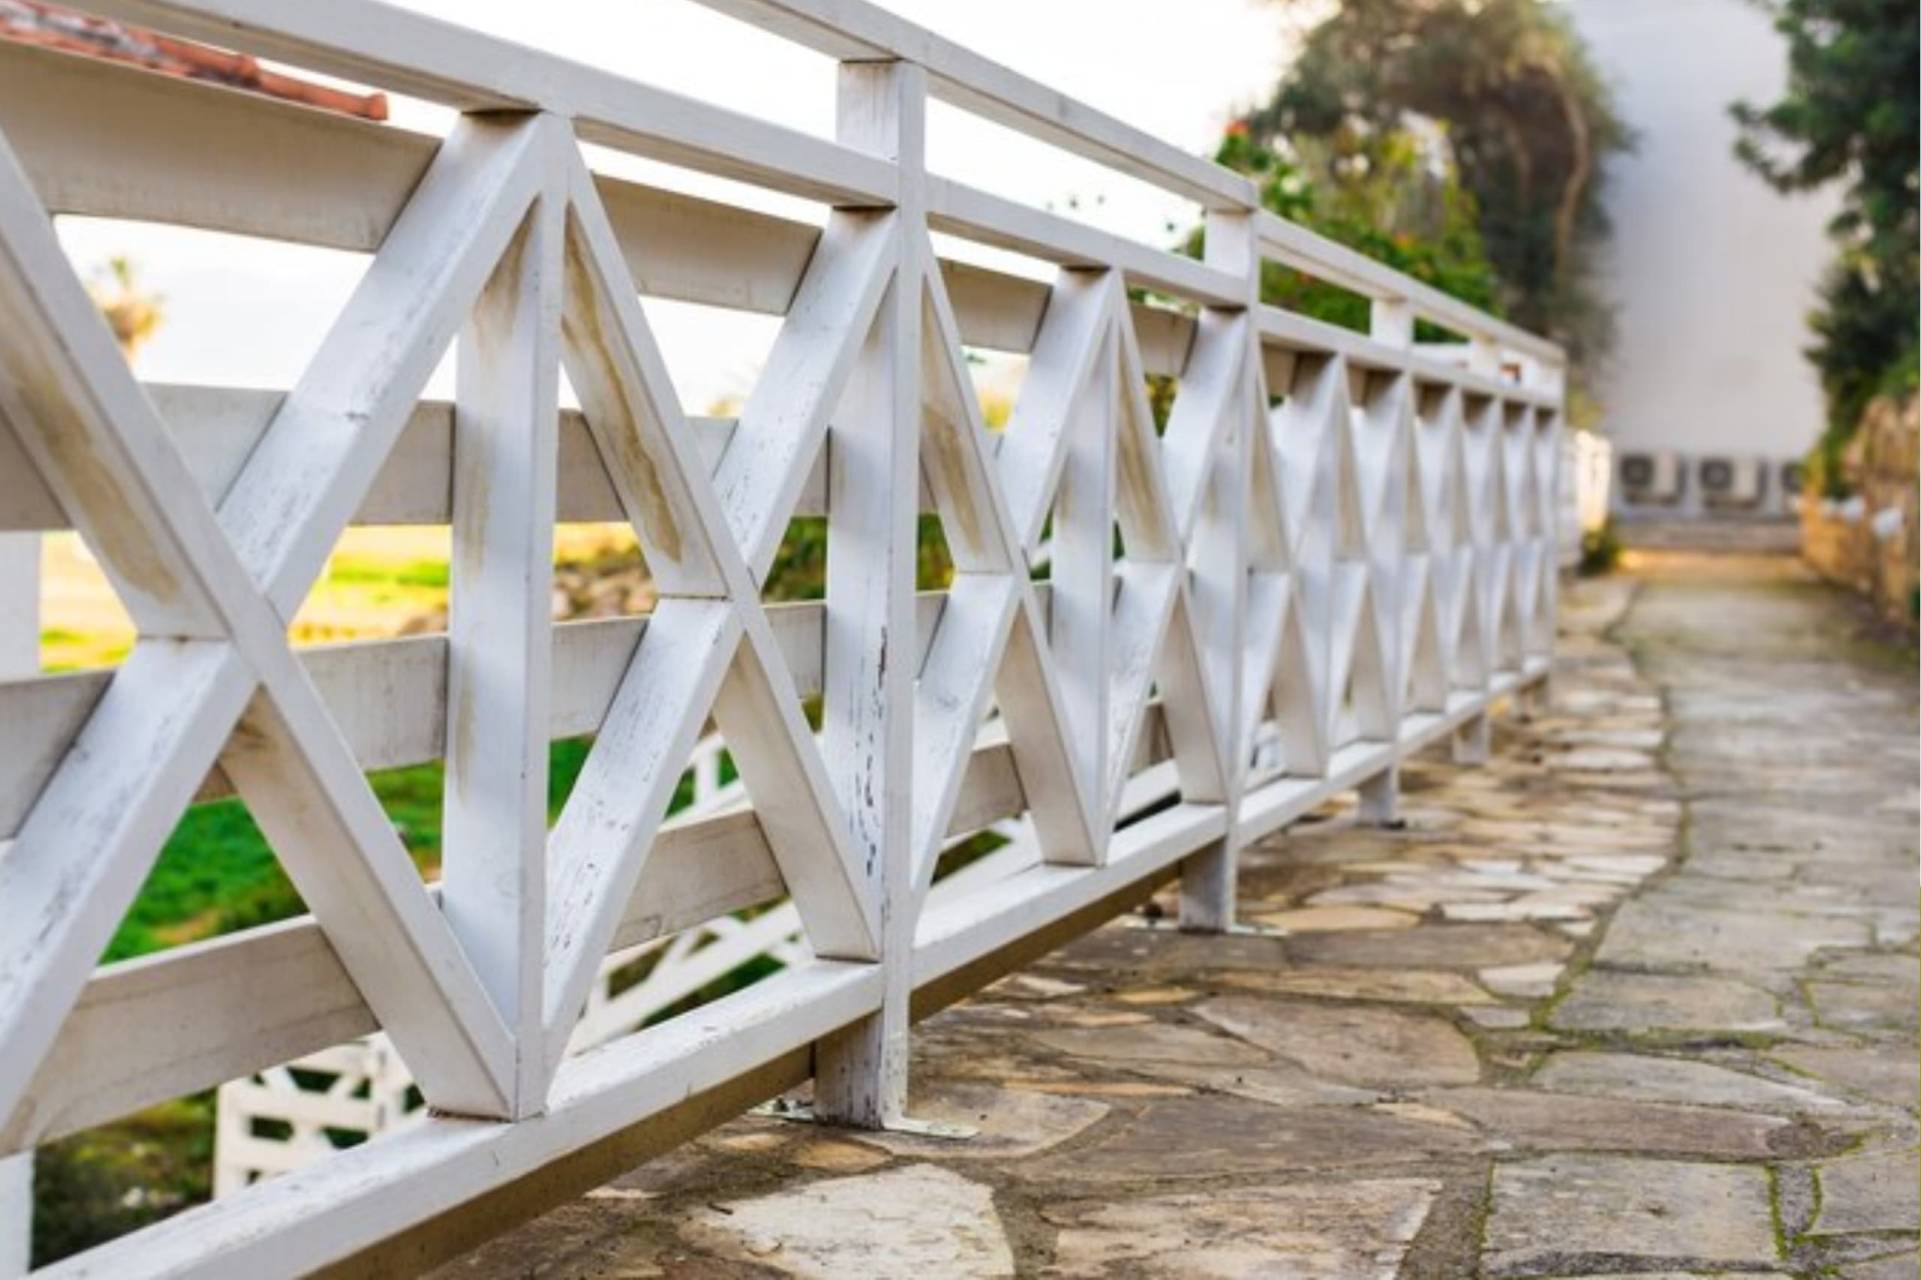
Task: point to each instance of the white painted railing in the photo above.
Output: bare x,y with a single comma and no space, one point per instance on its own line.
1338,550
276,1121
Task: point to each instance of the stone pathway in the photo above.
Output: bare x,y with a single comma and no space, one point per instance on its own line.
1637,999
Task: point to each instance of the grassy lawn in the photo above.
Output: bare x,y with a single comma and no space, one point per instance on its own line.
217,872
377,580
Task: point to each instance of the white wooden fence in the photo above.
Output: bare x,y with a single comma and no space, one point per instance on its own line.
1338,550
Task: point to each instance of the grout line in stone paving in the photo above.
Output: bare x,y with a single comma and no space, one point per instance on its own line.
1324,1099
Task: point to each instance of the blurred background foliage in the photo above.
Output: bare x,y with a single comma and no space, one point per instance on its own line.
1461,141
1851,116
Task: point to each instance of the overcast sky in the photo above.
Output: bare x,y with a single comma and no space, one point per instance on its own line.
244,313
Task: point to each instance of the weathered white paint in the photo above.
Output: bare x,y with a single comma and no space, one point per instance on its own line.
19,656
493,885
1303,594
867,712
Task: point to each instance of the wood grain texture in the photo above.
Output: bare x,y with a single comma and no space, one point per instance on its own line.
1337,551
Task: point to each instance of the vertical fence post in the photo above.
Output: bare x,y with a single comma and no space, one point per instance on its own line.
1390,321
19,656
499,628
1473,738
873,468
1536,375
1219,563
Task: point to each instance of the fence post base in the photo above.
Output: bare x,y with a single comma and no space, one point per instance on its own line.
1471,740
1208,891
1381,798
1536,699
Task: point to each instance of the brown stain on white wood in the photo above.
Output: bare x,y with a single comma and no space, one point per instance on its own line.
110,515
950,460
584,327
702,251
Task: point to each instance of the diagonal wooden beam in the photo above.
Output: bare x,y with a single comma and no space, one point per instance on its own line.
58,398
120,436
759,715
340,850
601,842
1080,611
1212,388
1033,446
950,701
616,368
979,528
1299,697
311,470
90,839
785,420
493,872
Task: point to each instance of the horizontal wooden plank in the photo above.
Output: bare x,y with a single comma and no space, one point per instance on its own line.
391,48
127,143
190,1018
218,427
858,31
1325,259
1287,333
359,1197
962,928
967,211
130,144
187,1019
388,696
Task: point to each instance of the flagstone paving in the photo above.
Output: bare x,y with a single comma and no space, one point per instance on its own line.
1638,998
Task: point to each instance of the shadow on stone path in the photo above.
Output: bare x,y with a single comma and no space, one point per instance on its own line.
1637,998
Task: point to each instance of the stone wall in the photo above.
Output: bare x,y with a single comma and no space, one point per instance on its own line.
1868,541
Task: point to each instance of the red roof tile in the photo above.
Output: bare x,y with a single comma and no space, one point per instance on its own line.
55,26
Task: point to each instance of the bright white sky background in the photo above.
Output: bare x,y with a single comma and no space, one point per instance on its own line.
245,313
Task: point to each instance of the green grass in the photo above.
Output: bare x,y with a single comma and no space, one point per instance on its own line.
417,573
217,873
104,1182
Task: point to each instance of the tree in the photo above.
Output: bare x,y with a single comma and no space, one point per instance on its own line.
1527,116
1849,116
1399,202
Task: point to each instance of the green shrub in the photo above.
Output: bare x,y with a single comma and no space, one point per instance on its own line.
1851,117
1600,550
1400,208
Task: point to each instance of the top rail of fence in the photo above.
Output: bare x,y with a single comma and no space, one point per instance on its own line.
1337,551
380,45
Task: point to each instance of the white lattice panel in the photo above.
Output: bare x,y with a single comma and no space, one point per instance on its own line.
1337,550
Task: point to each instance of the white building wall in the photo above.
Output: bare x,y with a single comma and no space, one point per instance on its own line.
1713,271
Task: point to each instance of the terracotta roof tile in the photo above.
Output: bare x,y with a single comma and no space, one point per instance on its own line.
55,26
